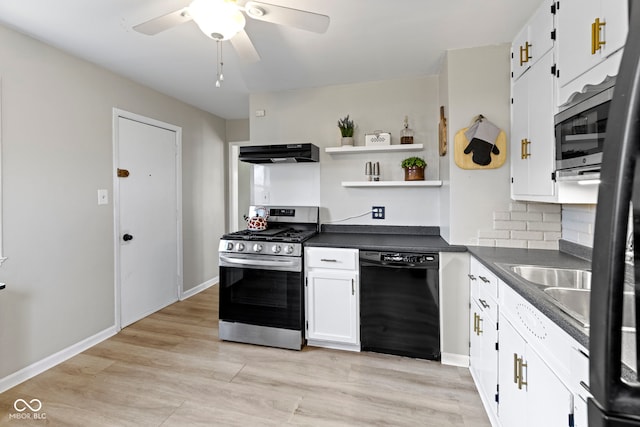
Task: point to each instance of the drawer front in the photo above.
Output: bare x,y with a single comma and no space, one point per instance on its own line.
485,280
334,258
487,304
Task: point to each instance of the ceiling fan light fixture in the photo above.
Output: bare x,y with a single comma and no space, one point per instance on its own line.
218,19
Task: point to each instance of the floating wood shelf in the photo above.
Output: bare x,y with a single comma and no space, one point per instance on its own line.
373,149
392,183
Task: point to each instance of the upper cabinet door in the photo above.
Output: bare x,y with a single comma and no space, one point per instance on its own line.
589,31
533,41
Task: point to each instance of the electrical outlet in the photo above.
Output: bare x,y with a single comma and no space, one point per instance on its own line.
377,212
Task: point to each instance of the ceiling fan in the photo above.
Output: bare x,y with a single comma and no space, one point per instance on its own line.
225,20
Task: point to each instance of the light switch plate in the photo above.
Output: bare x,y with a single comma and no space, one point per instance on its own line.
103,197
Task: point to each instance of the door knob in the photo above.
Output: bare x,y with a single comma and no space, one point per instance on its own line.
127,237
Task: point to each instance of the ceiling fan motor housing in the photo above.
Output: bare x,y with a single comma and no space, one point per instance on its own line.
218,19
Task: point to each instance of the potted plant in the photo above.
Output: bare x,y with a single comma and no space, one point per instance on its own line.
413,168
346,127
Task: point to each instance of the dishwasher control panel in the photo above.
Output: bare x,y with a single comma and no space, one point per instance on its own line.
401,258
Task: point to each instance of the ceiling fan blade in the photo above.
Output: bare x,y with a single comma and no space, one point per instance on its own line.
301,19
244,48
164,22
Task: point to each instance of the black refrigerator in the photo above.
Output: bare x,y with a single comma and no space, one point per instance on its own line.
616,402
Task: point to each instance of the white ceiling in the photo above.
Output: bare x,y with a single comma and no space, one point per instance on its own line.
367,40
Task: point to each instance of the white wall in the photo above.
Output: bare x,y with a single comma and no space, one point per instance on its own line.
477,83
57,151
311,115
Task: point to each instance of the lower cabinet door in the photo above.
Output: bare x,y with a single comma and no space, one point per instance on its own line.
530,393
332,306
512,399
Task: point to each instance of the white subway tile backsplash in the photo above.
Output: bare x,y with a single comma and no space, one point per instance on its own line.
544,207
525,225
534,244
517,207
505,216
551,217
526,216
527,235
511,243
552,235
544,226
509,225
486,242
577,223
494,234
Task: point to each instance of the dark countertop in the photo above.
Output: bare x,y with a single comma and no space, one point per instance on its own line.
383,238
498,259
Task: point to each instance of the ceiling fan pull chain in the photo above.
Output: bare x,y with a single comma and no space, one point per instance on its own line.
218,62
221,63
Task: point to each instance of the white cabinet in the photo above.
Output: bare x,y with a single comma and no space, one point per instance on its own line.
589,32
533,41
332,295
535,366
483,332
532,133
530,393
533,105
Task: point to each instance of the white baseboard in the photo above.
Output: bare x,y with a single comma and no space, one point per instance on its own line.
201,287
454,360
49,362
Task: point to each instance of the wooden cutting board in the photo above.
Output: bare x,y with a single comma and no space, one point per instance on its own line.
464,161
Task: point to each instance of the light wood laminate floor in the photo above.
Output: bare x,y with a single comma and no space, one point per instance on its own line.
170,369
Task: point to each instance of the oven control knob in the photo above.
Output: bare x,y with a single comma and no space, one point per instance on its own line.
276,249
229,246
288,249
257,247
239,247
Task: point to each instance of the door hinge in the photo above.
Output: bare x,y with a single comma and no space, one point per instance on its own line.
553,176
497,347
512,180
497,396
553,34
571,421
553,9
306,324
306,281
554,69
512,101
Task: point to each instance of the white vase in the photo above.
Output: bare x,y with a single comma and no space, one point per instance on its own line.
347,140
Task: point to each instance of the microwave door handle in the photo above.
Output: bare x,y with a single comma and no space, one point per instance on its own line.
257,263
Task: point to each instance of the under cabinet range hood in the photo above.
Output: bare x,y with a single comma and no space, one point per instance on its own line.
281,153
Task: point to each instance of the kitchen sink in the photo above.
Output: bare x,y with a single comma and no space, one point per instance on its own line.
575,302
554,277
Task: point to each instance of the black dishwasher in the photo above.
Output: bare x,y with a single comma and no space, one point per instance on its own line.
399,304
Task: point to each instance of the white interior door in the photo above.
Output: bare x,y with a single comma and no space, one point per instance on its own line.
147,217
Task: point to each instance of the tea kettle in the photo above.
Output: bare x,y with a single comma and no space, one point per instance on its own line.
259,221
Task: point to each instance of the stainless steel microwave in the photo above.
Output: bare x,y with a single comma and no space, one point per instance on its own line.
579,131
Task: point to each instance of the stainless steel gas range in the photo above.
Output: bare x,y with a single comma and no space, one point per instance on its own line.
262,279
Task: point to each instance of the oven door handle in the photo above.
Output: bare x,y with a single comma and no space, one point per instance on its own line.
258,263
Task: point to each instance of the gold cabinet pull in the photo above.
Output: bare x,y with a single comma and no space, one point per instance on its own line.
522,365
515,368
596,42
475,323
524,53
479,331
524,149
